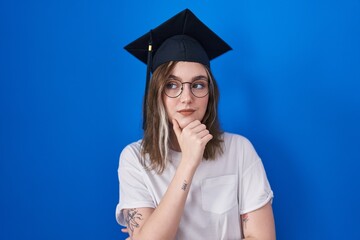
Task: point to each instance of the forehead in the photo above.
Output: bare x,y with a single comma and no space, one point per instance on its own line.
189,70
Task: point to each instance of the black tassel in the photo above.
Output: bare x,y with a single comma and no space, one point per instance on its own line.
148,73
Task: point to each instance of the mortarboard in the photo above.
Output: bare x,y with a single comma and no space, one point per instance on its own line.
181,38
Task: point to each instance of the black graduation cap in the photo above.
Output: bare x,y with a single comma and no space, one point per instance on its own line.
181,38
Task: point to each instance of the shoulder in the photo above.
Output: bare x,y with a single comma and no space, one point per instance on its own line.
132,147
131,154
238,145
236,139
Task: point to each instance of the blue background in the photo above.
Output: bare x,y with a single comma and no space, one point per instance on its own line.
71,98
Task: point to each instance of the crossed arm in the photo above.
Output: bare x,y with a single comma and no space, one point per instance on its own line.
256,225
162,222
259,224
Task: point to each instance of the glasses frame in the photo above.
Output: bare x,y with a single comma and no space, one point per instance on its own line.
182,89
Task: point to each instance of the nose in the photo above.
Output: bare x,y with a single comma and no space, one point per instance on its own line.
186,95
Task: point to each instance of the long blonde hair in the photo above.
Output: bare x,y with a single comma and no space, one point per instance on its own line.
156,139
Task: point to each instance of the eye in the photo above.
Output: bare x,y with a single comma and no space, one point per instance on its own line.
171,84
199,84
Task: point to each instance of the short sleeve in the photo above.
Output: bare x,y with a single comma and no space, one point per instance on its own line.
255,190
133,189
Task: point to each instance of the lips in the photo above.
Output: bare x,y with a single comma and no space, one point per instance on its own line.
186,112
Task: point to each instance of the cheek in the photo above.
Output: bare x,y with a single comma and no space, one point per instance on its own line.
204,104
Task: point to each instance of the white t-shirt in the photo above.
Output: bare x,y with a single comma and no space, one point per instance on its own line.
222,189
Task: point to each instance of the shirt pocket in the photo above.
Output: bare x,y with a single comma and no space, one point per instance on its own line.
219,193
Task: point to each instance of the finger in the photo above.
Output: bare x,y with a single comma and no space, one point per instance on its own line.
207,138
203,133
125,230
176,128
193,124
199,128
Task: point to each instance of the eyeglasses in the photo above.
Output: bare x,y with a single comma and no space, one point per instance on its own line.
199,88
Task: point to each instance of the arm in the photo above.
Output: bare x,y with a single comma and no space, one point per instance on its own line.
163,221
259,224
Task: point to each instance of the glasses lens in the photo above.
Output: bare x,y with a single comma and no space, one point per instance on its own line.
173,88
200,88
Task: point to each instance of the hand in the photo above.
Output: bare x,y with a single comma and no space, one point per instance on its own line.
126,230
192,141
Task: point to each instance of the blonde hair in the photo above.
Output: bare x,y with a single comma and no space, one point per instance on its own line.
156,139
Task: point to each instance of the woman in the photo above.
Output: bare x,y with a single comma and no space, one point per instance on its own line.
186,179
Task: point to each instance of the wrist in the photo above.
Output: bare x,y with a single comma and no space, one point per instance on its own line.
188,166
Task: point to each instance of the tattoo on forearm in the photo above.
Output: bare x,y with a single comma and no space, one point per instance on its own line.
132,218
184,185
245,219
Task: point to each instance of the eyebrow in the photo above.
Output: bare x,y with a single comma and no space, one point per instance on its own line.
199,77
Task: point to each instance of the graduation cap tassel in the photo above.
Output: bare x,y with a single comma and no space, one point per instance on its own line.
148,70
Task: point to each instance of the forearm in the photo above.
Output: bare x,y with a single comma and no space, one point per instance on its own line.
259,224
164,221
